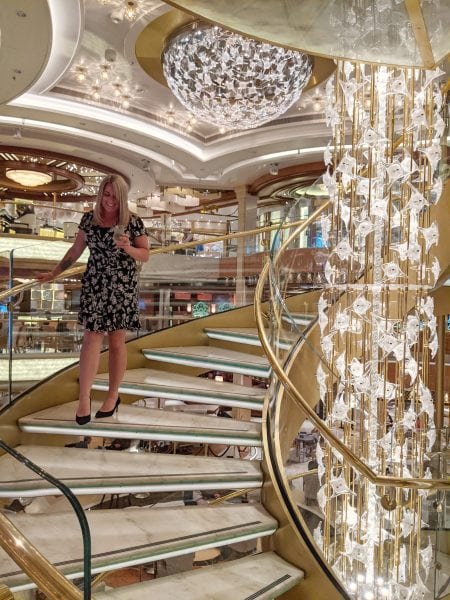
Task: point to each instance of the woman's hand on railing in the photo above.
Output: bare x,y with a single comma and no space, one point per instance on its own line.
45,276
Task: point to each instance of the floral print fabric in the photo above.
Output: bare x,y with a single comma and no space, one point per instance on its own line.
109,294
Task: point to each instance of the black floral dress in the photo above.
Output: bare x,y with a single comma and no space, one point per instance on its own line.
109,293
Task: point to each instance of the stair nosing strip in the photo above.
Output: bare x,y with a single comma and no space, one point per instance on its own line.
204,362
154,435
179,392
132,488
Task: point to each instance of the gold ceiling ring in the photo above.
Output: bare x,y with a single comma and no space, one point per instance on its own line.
306,25
153,39
70,174
64,180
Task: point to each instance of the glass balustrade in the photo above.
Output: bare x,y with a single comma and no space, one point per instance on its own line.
176,285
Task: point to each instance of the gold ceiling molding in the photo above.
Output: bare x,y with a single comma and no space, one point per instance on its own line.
63,180
74,179
329,29
151,41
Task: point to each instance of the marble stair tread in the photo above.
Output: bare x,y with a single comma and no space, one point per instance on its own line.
301,320
88,471
151,382
261,576
137,423
210,357
133,536
247,335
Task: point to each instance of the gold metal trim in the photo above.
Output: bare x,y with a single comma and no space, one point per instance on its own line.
5,593
153,38
205,11
420,32
243,491
34,564
350,457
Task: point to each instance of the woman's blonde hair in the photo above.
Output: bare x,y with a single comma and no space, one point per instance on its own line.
120,191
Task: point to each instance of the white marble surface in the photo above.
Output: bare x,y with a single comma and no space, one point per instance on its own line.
133,422
264,575
247,335
103,471
174,385
134,536
211,357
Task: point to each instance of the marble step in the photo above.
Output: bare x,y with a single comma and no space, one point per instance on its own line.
301,320
126,537
137,423
246,335
111,472
210,358
261,576
151,382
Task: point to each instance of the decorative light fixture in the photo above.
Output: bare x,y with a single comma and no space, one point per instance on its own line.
377,326
231,81
131,10
106,82
28,178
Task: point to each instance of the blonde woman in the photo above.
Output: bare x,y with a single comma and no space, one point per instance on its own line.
109,297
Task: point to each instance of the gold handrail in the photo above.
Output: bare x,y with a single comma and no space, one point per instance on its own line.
355,462
14,291
34,564
243,491
5,593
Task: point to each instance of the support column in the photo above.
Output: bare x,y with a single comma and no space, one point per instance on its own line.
440,373
241,414
247,214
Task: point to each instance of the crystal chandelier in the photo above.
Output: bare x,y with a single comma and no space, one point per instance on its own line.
232,81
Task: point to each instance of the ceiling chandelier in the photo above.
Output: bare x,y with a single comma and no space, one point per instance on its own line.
232,81
28,178
131,10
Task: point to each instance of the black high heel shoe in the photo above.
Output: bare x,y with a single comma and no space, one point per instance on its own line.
84,420
102,414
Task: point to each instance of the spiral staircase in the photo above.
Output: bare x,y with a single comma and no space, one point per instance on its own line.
166,366
124,537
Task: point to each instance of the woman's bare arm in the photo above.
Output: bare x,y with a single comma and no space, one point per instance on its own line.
69,258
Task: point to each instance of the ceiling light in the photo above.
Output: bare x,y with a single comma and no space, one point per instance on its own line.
126,9
231,81
28,178
273,168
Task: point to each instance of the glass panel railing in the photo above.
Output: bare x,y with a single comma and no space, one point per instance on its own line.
179,283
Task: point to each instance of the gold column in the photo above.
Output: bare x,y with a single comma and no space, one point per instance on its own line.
440,373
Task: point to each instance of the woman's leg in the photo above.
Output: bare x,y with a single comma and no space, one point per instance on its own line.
89,359
116,366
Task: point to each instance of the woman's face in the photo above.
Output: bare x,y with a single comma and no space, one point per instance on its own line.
110,204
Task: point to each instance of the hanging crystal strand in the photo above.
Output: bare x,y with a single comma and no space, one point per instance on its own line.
381,179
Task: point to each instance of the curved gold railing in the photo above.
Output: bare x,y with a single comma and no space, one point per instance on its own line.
35,565
14,291
353,460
